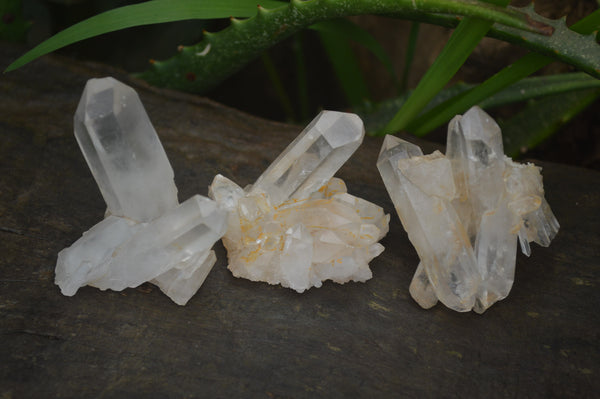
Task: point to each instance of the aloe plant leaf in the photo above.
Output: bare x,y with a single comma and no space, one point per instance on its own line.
542,118
563,44
201,67
150,12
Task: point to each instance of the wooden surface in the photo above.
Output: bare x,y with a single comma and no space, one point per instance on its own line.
237,338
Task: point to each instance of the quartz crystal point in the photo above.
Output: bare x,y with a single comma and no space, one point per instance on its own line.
297,226
123,151
463,212
312,159
423,189
146,235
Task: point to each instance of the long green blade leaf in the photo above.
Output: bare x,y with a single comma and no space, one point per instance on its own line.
461,44
506,77
410,53
150,12
542,118
346,67
350,31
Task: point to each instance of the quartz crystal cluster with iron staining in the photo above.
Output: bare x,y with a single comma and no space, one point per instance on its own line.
297,226
146,235
464,212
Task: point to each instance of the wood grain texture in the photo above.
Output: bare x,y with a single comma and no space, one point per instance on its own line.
237,338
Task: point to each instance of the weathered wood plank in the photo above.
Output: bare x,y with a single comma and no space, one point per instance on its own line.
236,338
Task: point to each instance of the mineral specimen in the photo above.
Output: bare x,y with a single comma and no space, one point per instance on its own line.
146,235
123,151
464,211
297,225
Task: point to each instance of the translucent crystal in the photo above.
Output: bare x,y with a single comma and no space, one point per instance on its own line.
422,197
88,259
123,151
173,251
312,159
526,199
463,212
297,226
331,235
146,235
477,155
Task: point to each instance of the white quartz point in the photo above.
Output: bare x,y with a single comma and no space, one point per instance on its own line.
167,242
123,151
182,281
430,221
312,159
421,289
526,199
89,258
476,153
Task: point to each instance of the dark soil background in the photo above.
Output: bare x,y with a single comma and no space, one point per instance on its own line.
577,143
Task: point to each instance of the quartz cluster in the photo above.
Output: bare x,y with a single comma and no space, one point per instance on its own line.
297,225
464,212
146,234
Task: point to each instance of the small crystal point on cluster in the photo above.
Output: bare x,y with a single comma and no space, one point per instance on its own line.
297,226
147,235
464,211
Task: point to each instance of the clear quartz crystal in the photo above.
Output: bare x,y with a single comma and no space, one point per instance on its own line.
123,151
424,207
146,235
312,159
466,233
89,257
476,152
165,243
297,226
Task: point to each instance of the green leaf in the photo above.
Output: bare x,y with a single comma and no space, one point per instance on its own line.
150,12
541,86
507,76
348,30
542,118
13,27
201,67
301,77
410,53
461,44
376,116
280,91
345,65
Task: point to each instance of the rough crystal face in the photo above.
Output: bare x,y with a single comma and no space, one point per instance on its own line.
146,235
173,241
423,196
297,226
312,159
172,251
123,151
463,212
330,235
